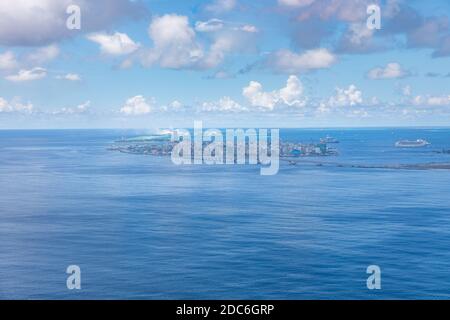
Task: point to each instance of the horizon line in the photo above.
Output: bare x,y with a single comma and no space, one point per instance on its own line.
227,127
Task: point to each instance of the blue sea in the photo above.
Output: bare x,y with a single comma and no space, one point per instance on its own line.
140,227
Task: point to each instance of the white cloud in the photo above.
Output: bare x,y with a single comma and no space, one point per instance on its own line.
175,105
137,105
358,33
114,44
434,101
221,74
220,6
214,25
14,106
28,75
248,28
209,26
24,66
295,3
341,10
41,22
82,108
225,104
392,70
8,61
357,38
218,51
40,56
290,95
70,77
348,101
374,101
406,90
176,44
257,97
287,61
439,101
43,55
346,97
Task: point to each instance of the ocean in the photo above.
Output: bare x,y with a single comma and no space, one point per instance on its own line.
140,227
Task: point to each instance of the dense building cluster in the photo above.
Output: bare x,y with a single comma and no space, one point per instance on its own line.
164,147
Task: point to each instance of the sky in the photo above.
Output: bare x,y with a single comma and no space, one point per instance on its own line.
229,63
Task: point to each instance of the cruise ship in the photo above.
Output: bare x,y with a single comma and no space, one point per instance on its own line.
412,143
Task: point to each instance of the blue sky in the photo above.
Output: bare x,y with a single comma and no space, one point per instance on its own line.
272,63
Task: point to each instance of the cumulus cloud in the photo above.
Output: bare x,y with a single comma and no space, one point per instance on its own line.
176,45
321,21
295,3
218,51
221,6
430,33
37,22
8,61
15,106
406,90
137,105
43,55
357,38
174,106
70,77
215,25
420,31
343,10
438,100
359,32
28,75
346,97
225,104
248,28
430,100
392,70
210,25
286,61
290,95
114,44
80,109
337,23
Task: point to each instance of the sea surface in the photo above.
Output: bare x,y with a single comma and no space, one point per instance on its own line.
141,227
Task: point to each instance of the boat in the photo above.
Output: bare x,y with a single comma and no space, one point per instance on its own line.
419,143
329,139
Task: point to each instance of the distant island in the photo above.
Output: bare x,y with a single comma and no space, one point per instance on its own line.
162,144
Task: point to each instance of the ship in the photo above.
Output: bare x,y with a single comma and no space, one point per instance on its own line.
329,139
419,143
